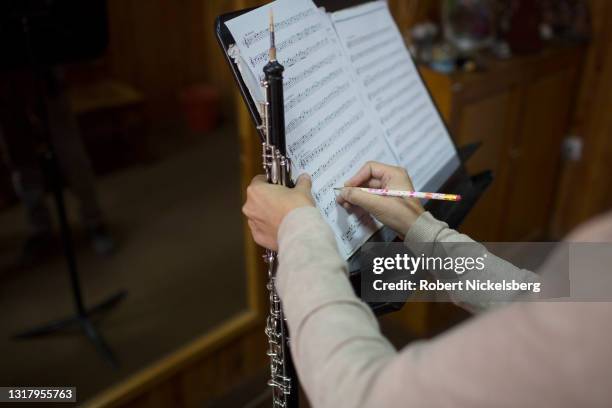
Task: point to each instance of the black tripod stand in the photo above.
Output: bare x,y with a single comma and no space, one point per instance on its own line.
83,316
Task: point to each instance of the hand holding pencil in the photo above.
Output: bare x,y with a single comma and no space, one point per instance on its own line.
398,213
409,194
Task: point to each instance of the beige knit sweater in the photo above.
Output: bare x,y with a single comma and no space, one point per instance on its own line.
522,355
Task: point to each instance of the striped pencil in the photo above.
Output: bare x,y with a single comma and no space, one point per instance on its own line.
412,194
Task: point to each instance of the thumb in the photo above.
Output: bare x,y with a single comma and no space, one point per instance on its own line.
355,196
304,183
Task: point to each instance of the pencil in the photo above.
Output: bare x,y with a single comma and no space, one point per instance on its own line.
412,194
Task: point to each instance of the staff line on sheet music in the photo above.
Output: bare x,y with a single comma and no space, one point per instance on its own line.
372,49
306,158
354,16
371,79
341,152
389,84
303,54
251,39
292,81
263,55
346,171
413,151
372,64
331,203
417,148
401,122
366,38
355,223
404,103
437,157
419,120
402,94
295,100
314,131
428,153
339,90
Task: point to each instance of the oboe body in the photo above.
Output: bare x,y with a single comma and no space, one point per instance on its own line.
277,168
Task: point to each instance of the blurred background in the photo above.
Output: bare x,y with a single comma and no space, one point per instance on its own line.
124,113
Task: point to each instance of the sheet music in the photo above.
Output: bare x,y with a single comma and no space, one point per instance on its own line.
330,133
394,89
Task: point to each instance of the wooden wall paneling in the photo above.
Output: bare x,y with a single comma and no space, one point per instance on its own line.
584,186
536,157
161,46
492,121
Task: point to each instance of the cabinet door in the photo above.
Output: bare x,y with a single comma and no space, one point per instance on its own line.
489,120
536,159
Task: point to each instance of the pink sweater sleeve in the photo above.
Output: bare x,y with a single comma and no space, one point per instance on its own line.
526,354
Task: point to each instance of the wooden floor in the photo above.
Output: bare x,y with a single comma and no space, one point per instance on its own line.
180,259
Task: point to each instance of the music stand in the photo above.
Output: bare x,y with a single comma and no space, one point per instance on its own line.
23,16
460,182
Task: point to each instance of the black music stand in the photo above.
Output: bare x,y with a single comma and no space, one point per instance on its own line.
30,58
469,187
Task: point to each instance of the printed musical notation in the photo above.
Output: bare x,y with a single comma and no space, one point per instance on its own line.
402,94
301,141
394,89
263,56
330,133
345,172
373,64
352,43
251,39
372,49
325,101
337,155
307,158
301,96
293,81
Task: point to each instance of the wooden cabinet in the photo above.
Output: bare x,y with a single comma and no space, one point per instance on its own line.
519,109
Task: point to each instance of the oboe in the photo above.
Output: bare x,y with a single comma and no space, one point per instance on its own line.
277,168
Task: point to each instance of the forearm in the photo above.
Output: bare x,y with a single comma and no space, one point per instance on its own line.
454,244
336,341
344,361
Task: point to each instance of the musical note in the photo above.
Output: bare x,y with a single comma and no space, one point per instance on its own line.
320,126
329,129
351,166
303,54
293,81
402,93
394,89
368,37
372,49
335,156
337,91
301,96
375,63
263,55
307,158
251,39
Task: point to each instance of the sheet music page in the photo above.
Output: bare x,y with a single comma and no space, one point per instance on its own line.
394,89
329,131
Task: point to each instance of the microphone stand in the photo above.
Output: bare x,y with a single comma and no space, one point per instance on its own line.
82,317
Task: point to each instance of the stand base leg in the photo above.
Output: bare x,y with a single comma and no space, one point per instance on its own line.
84,323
